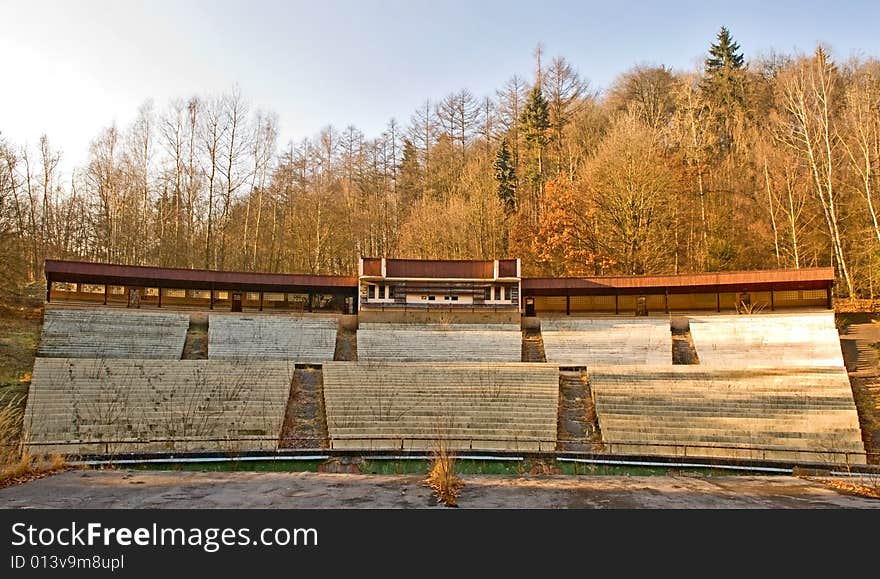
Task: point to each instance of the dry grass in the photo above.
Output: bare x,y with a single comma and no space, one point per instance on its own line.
442,477
867,487
853,305
17,465
749,308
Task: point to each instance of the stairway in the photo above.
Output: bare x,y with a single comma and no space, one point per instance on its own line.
863,364
577,426
683,349
195,347
305,422
346,345
533,346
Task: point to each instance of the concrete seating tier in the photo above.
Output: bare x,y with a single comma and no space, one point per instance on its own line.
804,414
306,340
607,341
484,406
112,333
439,342
765,340
78,406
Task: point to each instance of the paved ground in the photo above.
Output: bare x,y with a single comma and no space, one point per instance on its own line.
168,489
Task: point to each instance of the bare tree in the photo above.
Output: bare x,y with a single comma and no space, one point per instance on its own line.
237,141
807,93
214,129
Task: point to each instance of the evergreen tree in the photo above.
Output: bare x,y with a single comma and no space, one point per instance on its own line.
724,55
505,175
534,122
723,85
410,175
535,118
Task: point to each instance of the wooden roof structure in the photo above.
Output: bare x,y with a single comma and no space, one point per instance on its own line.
148,276
205,279
728,281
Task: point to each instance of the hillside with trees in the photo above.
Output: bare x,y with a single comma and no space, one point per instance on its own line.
748,163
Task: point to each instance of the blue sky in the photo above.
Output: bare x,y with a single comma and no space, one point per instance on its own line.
73,67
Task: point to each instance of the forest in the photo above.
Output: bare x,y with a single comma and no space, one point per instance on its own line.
769,161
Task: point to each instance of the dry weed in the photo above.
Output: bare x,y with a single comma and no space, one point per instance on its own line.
16,464
442,477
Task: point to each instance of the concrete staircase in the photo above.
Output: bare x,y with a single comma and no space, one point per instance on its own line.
484,406
439,342
767,340
112,333
110,406
804,414
578,342
301,339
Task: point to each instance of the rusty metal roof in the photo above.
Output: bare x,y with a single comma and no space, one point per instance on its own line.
456,269
441,268
778,279
138,275
113,274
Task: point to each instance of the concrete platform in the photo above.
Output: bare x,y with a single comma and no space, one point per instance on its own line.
121,489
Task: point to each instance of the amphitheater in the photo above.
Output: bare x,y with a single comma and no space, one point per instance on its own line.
508,368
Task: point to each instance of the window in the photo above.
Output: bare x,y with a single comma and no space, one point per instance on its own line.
432,298
371,292
502,293
200,294
253,296
424,297
151,291
221,295
488,294
814,294
175,293
117,290
90,288
454,298
64,286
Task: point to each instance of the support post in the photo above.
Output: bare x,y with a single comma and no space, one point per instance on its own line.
48,291
106,289
567,305
160,297
666,300
829,300
211,306
718,301
261,301
616,305
310,306
772,301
